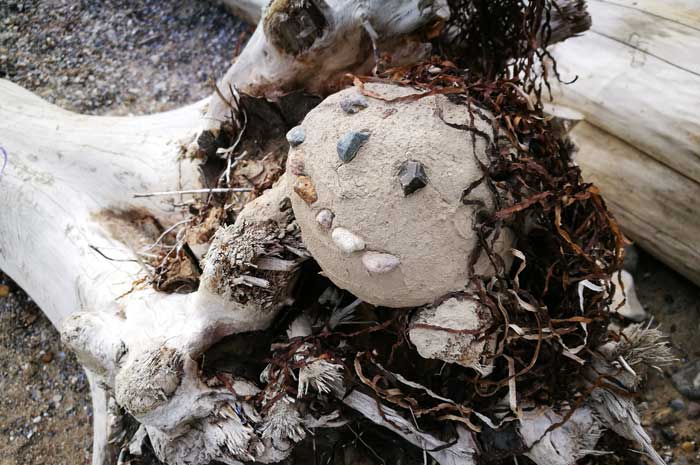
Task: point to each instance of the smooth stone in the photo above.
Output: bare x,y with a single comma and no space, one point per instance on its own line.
687,380
677,404
346,241
693,410
412,176
295,163
377,262
462,346
296,136
353,103
350,144
305,189
325,218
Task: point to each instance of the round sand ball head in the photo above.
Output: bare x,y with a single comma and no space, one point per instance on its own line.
392,177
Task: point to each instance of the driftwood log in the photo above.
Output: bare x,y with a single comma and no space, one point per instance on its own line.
75,236
638,89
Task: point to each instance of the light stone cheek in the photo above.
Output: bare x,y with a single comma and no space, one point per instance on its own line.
346,241
377,262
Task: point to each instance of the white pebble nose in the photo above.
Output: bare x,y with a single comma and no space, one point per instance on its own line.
347,241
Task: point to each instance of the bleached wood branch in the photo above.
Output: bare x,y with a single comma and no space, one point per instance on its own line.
68,232
463,452
311,45
638,79
561,446
68,177
63,172
211,190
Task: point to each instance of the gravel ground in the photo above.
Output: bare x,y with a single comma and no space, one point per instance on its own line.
45,410
672,419
116,56
142,56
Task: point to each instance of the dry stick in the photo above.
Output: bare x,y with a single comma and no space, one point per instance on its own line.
236,97
166,232
359,438
213,190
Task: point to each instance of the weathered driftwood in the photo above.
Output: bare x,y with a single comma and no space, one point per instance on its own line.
638,80
70,230
311,45
61,171
639,87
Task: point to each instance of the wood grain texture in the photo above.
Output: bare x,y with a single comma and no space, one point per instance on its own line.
639,78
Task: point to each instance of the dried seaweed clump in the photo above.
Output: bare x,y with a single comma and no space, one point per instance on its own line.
509,37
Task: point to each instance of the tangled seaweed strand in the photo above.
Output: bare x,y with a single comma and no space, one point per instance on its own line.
509,38
488,35
566,236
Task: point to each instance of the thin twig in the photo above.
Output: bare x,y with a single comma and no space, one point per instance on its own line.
241,130
212,190
359,438
110,258
148,40
230,164
166,232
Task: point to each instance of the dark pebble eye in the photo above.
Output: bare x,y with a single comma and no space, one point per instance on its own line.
412,176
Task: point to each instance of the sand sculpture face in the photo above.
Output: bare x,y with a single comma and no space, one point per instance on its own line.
378,192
